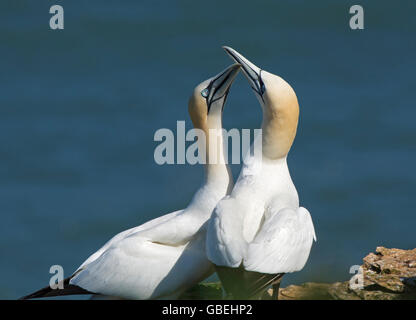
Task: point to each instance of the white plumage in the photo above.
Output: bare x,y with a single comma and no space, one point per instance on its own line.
260,226
283,243
153,261
165,256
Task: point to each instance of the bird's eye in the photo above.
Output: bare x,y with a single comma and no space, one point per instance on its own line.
205,93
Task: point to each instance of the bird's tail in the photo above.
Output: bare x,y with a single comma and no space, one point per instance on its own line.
246,285
68,289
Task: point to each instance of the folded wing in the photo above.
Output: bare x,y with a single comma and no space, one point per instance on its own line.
283,243
147,262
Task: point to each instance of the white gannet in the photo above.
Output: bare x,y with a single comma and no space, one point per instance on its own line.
259,232
165,256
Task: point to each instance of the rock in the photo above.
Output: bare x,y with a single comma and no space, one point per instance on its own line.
390,270
341,291
306,291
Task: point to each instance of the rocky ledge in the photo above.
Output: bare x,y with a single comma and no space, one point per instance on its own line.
386,274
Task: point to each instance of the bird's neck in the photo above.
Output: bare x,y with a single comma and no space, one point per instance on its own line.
217,171
218,180
278,133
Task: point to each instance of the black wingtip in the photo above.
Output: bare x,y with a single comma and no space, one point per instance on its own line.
47,292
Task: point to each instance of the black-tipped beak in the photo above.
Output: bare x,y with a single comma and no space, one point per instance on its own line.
220,85
251,71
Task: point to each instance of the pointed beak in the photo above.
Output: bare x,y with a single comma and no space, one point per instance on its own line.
220,85
251,71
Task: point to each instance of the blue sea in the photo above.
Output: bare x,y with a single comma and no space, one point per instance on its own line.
79,108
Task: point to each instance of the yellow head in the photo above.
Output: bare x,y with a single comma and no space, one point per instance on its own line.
279,103
205,108
208,99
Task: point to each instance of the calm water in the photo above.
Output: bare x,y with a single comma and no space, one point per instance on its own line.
79,108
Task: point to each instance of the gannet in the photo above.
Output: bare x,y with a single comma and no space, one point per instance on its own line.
258,233
165,256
